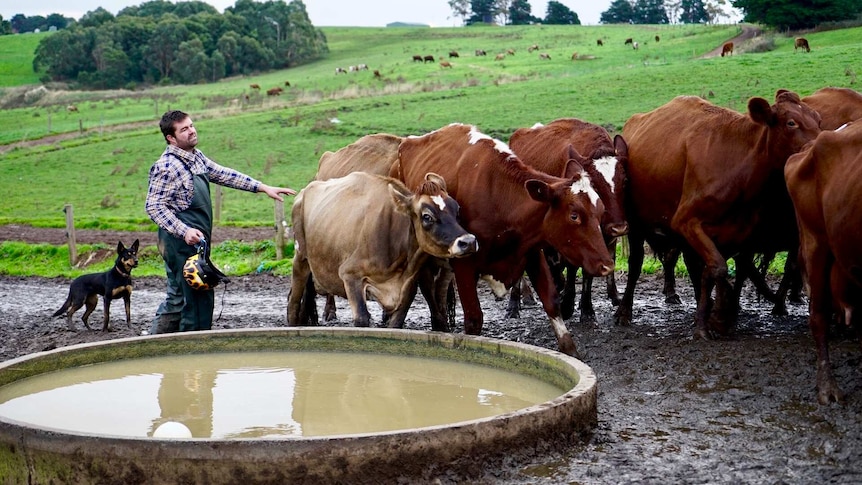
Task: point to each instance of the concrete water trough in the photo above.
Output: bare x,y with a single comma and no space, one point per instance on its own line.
38,454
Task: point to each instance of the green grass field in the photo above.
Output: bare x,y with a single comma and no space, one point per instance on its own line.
103,170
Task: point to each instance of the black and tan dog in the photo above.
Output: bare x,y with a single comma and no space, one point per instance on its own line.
112,284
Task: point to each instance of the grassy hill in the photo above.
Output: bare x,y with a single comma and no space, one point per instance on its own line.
102,166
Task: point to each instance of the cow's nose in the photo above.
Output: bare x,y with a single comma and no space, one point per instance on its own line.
465,245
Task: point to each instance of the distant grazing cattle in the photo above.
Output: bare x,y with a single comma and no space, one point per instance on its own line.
365,235
428,58
801,43
706,179
255,86
376,73
549,148
823,182
635,45
628,41
276,91
510,52
599,42
362,67
657,38
453,54
545,55
727,49
340,70
541,210
533,47
287,83
417,58
72,108
574,56
499,57
836,106
481,52
446,64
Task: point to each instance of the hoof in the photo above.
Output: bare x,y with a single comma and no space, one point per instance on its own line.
672,300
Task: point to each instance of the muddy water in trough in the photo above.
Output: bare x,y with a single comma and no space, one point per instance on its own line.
672,409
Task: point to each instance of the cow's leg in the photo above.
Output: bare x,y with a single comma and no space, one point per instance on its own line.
611,280
300,277
329,310
433,280
623,315
527,298
466,279
543,282
569,292
668,264
513,309
714,276
395,319
588,313
818,266
308,309
354,288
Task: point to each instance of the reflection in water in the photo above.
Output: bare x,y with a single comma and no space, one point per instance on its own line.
269,394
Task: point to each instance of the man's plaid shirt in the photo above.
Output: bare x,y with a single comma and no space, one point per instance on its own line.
172,185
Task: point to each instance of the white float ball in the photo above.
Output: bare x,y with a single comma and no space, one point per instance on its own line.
172,429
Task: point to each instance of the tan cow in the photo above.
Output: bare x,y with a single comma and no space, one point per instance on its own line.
444,64
499,57
823,181
365,235
801,43
707,179
836,106
727,49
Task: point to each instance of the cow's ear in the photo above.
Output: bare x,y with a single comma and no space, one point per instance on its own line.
575,169
436,179
621,147
760,111
538,190
403,198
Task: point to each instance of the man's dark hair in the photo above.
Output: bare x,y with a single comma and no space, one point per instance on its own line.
168,120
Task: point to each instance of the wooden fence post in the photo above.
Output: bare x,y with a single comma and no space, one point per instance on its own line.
279,230
70,234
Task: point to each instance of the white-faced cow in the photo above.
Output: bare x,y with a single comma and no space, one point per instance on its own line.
836,106
708,180
366,235
823,181
515,212
548,148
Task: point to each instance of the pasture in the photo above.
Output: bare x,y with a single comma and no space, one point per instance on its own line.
98,157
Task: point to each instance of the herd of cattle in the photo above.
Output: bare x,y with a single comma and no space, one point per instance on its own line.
388,216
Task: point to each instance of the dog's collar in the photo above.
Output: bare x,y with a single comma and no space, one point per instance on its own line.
118,270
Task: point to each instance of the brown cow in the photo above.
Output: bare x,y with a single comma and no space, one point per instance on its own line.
727,49
364,234
453,54
599,42
500,57
515,211
481,52
255,86
276,91
428,58
287,83
510,52
533,47
823,181
545,55
377,73
417,58
547,148
707,179
836,106
628,41
801,43
371,154
657,38
72,108
446,64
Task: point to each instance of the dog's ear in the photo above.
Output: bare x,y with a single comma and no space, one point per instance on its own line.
120,247
135,245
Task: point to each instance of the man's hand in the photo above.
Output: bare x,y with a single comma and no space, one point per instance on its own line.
275,192
193,236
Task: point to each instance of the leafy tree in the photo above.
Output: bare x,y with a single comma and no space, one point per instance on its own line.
619,12
58,21
169,33
21,23
559,14
460,9
228,46
191,63
5,26
797,14
520,13
693,12
650,12
96,18
484,11
63,55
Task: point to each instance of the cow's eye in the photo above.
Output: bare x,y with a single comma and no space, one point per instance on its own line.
427,219
575,218
791,123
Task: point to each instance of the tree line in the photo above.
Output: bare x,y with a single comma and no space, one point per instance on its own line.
160,42
781,14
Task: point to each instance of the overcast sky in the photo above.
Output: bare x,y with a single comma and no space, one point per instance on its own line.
323,13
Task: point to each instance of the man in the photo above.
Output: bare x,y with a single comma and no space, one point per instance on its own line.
178,201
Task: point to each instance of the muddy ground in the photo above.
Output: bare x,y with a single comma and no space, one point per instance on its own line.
671,409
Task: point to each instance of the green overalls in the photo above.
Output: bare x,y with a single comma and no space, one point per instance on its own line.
197,310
